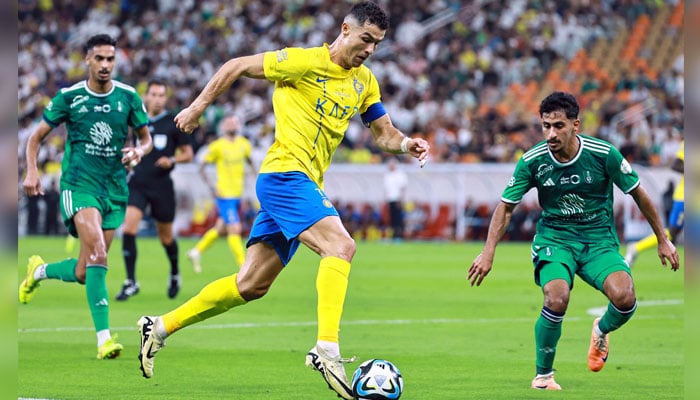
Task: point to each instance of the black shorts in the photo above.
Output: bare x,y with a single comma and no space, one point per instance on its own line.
160,197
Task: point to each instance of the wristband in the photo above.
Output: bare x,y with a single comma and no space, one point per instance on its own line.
172,160
404,145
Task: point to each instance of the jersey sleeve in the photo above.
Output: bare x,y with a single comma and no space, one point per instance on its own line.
519,184
138,116
621,172
57,111
373,96
210,156
288,64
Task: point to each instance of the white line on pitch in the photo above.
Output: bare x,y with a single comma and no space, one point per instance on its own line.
249,325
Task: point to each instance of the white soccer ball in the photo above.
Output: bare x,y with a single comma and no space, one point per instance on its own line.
377,380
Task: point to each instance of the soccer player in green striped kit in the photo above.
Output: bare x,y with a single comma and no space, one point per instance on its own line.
574,176
98,113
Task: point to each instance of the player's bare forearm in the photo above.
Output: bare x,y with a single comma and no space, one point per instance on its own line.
646,206
666,250
249,66
32,183
391,140
131,156
482,264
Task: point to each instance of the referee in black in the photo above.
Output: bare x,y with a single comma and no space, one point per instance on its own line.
150,185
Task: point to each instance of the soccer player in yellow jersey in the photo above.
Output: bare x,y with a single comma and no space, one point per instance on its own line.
230,152
317,91
675,219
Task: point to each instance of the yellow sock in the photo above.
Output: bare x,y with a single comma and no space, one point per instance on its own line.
214,299
236,245
209,237
648,242
331,285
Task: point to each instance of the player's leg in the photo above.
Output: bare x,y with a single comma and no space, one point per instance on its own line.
134,215
64,270
553,263
92,269
252,282
209,237
169,243
229,210
607,271
330,240
163,211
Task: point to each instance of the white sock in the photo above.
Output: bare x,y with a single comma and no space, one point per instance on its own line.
331,349
40,273
103,336
160,329
598,331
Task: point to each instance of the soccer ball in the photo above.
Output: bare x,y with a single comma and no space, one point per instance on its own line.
377,380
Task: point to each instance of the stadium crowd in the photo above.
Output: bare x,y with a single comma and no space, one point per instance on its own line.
445,68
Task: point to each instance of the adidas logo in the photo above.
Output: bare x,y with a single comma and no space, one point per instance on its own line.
548,182
102,303
82,109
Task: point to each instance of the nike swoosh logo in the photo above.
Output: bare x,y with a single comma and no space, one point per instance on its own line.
148,353
321,80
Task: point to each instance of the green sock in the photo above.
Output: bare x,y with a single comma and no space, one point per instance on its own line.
63,270
96,289
615,318
547,334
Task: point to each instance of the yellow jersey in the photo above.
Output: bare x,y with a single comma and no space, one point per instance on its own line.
313,100
230,157
679,193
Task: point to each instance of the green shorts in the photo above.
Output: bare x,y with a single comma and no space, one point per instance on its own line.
592,262
112,211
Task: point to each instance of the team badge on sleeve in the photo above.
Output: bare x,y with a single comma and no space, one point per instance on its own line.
625,167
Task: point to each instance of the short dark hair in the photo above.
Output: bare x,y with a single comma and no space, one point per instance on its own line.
560,101
100,40
368,11
156,82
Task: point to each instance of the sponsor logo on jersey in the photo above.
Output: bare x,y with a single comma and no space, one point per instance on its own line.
82,110
571,204
104,108
78,100
543,169
573,179
101,133
548,182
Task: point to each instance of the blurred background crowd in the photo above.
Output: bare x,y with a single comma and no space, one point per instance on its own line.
468,76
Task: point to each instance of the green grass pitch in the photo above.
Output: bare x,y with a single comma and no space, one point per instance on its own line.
406,302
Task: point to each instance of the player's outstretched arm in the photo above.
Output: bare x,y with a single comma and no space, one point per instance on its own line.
250,66
666,250
391,140
32,182
482,264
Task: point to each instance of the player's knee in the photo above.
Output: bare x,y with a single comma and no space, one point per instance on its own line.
623,299
80,275
557,303
252,292
346,248
96,255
